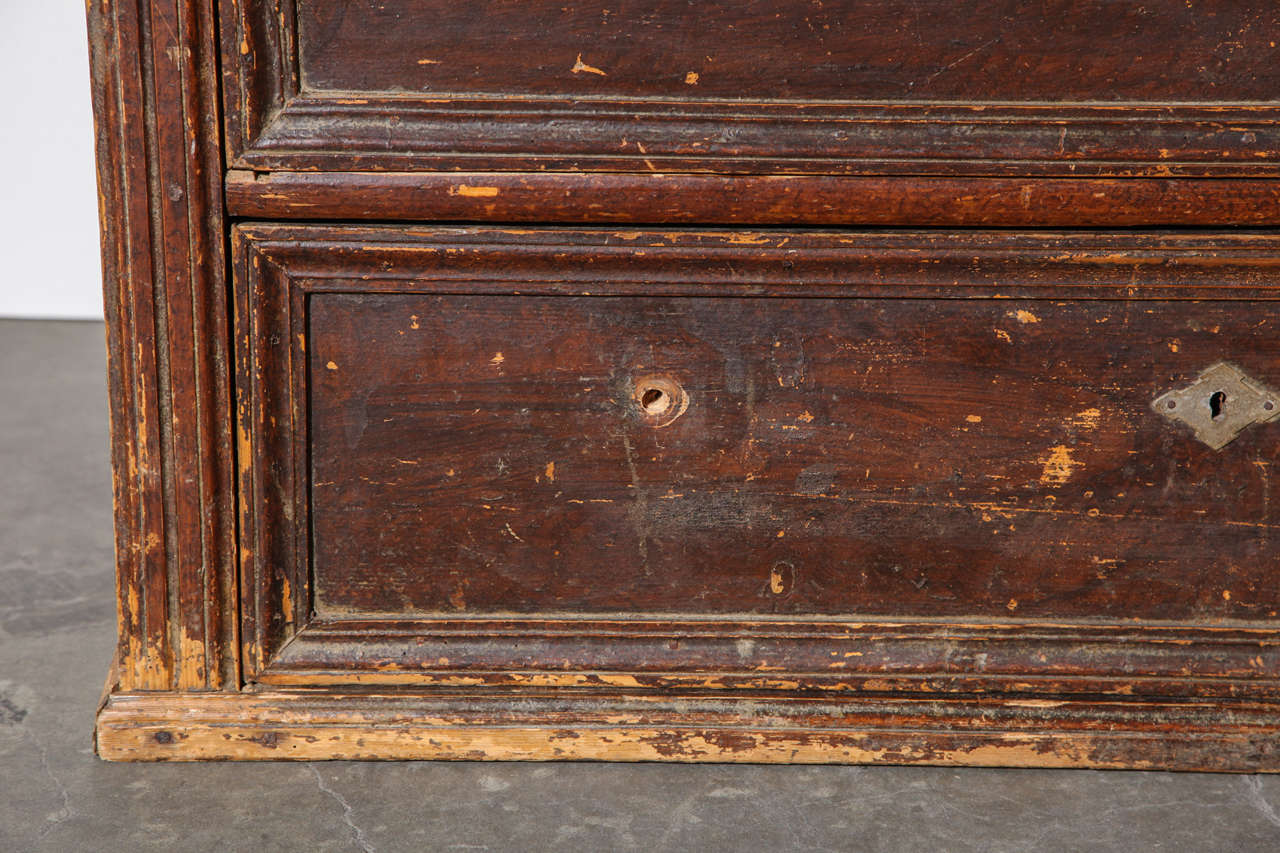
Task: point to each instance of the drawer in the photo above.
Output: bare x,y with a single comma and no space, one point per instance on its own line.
846,87
896,462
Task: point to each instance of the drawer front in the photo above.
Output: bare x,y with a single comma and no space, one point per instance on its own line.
474,454
848,86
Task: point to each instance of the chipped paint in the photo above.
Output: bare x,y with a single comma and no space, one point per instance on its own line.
138,727
1087,419
467,191
286,597
1058,466
580,67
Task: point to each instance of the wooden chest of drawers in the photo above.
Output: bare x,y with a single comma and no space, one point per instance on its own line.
867,381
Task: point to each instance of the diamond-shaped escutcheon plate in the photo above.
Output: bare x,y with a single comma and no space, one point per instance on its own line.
1220,404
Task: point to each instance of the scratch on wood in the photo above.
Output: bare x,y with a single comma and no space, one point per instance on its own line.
639,511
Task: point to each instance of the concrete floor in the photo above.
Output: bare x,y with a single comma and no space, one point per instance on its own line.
56,634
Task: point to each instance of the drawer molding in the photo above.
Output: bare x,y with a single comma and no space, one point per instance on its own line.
830,200
834,656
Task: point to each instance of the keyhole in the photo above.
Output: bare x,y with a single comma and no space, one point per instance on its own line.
653,402
1216,401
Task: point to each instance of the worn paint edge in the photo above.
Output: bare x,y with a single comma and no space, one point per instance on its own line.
256,727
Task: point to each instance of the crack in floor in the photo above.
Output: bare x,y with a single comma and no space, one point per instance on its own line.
1253,795
63,814
357,834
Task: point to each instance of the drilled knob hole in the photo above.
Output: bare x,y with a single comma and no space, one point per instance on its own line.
658,399
654,401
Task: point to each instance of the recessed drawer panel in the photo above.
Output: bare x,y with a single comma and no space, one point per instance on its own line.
753,436
879,50
925,457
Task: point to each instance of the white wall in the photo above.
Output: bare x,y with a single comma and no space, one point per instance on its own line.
49,258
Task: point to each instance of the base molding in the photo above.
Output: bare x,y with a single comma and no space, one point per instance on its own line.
1004,732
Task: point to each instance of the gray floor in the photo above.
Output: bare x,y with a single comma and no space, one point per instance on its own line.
56,632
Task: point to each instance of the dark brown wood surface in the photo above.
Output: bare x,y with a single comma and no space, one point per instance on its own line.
854,457
1068,87
833,50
